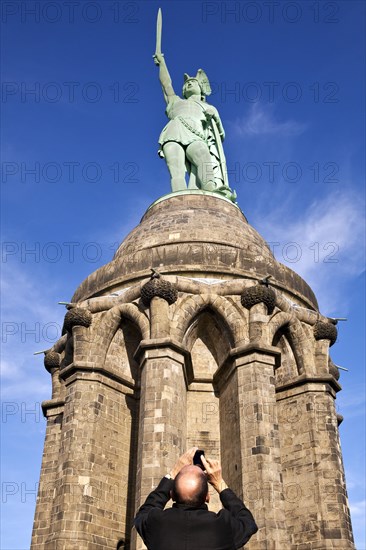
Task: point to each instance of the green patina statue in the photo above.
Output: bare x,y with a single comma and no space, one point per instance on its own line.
192,139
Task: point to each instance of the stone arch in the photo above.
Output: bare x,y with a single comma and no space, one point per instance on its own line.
120,357
131,312
286,325
277,322
188,309
302,348
209,341
110,323
289,369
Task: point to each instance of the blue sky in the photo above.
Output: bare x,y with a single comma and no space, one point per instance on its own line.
82,110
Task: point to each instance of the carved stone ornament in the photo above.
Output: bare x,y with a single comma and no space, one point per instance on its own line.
333,369
259,294
325,331
77,316
52,360
158,287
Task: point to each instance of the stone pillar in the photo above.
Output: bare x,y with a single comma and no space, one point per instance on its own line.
316,505
159,318
159,294
53,411
163,404
250,386
91,486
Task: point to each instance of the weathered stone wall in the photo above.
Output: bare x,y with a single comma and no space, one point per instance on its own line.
231,455
317,512
203,427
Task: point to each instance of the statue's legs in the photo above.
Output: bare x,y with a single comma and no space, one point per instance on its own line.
199,155
175,159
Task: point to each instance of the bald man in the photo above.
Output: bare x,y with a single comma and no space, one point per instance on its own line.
189,525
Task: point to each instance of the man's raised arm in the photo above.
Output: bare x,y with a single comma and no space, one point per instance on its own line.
242,521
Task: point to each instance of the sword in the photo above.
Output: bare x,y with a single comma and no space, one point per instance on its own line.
159,28
220,150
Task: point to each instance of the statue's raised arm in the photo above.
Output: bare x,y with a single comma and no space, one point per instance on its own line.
164,76
192,140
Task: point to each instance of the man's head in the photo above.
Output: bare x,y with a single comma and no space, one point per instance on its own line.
190,487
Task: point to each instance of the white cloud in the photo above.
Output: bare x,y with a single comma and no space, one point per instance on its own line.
29,323
23,296
325,245
352,400
358,514
261,122
355,479
358,508
9,369
32,389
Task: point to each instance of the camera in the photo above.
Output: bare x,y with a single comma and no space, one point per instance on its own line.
197,458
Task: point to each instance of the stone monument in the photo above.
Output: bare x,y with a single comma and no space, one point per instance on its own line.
193,335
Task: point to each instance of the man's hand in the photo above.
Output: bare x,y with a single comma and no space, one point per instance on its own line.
185,460
213,472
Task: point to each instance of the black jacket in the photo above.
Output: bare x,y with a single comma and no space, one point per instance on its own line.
185,528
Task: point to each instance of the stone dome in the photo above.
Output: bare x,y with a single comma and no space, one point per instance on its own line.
193,234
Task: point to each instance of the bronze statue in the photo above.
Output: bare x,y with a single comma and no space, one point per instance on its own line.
192,139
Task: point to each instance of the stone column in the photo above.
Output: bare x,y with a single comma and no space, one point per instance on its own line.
159,318
163,403
316,504
53,411
250,386
89,505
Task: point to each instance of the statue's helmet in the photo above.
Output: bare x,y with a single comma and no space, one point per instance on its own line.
202,80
